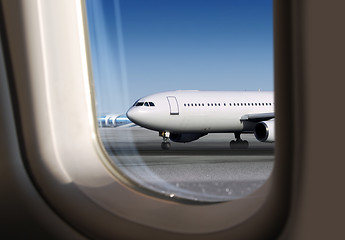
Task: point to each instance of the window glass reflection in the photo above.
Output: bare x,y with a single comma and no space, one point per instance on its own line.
139,48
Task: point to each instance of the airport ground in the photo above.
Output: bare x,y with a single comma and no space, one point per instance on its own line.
204,170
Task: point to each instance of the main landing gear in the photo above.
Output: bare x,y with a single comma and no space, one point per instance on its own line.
165,145
239,143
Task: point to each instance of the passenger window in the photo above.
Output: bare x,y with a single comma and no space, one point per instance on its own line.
140,48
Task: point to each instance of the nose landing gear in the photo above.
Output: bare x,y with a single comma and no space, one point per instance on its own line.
165,145
239,143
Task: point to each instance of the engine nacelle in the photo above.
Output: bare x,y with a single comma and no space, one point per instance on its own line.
113,120
265,131
106,121
185,137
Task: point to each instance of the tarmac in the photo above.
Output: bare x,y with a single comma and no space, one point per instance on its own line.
205,170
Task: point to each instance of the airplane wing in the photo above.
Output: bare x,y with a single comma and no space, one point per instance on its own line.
257,117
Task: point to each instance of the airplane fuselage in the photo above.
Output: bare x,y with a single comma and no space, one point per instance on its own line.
200,111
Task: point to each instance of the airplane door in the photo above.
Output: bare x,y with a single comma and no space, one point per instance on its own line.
173,105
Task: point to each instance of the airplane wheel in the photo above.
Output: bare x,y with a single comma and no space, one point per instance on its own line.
233,144
165,145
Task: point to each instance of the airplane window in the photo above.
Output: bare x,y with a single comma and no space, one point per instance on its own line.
146,50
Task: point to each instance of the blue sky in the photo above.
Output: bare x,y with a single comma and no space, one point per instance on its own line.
139,47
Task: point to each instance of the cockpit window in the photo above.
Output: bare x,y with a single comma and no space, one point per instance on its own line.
139,104
146,104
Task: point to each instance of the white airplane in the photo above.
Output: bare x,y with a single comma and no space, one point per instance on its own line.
187,115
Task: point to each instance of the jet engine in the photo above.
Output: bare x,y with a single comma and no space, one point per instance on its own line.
264,131
185,137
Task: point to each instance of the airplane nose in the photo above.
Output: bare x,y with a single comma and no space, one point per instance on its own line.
132,114
141,116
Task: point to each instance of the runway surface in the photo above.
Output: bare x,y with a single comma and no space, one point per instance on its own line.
203,170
